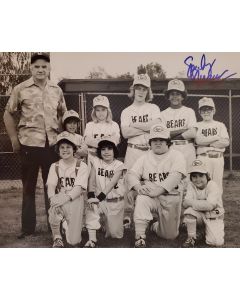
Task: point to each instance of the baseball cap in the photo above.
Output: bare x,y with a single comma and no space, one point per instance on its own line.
70,114
176,85
40,55
142,79
101,100
198,166
65,136
206,102
159,131
106,140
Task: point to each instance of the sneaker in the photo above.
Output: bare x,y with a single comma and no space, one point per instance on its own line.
151,223
140,243
127,222
58,243
189,243
90,244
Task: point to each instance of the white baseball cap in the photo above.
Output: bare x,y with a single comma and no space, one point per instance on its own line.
198,166
70,114
142,79
65,135
159,131
176,85
101,101
206,102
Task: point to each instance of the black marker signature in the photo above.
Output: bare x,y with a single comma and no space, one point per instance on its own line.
205,70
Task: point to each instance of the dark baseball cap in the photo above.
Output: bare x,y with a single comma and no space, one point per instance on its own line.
40,55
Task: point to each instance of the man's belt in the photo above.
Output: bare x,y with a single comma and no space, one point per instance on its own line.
139,147
212,154
180,142
115,199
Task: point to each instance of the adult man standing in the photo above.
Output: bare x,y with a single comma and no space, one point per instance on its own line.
41,105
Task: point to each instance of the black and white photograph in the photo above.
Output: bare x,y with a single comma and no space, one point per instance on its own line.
119,150
118,131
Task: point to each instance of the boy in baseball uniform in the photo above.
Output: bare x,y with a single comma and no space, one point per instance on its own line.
203,205
180,120
70,122
66,181
106,191
101,125
211,139
161,169
136,121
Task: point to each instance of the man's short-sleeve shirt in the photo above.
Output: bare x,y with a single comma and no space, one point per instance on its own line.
40,112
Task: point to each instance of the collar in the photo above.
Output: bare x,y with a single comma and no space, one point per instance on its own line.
31,82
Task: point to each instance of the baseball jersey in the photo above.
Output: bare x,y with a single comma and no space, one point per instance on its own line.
211,195
67,176
180,118
101,130
139,114
208,132
104,174
154,169
39,112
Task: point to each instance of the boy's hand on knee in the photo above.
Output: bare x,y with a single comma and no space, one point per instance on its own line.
92,201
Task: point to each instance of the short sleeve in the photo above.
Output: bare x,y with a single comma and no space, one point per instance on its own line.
125,119
62,108
87,132
82,176
52,176
155,112
223,132
192,118
13,102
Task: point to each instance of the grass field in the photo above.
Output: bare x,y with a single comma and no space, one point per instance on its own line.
10,216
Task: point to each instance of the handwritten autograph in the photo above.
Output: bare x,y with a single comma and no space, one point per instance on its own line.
205,70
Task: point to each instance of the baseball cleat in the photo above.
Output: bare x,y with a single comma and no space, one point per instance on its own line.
189,243
140,243
58,243
90,244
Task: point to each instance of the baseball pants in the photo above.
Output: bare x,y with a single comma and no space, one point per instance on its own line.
72,212
215,167
132,155
188,152
168,209
112,212
214,228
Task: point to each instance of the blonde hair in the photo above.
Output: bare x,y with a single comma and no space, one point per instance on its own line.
109,115
149,95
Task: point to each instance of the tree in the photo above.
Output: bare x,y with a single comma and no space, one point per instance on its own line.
127,75
154,70
181,74
14,68
98,73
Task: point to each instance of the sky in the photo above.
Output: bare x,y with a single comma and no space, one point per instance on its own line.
78,64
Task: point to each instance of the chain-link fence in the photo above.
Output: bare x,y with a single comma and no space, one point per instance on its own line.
227,111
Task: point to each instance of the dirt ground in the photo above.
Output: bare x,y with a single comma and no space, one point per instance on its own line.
10,216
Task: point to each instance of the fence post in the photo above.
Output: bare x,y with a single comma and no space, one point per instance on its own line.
82,105
230,134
